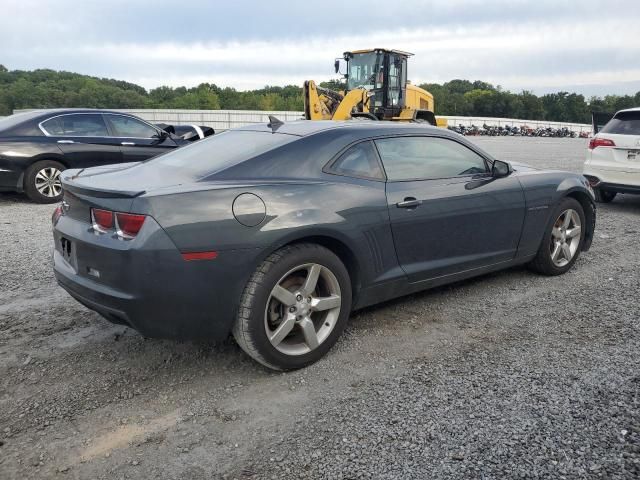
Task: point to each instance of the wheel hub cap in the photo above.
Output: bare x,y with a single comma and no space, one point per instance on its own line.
48,183
565,237
303,309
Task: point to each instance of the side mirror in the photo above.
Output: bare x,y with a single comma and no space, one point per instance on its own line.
336,65
500,169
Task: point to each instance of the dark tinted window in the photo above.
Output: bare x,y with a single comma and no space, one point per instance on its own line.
219,152
624,123
359,161
124,126
12,121
407,158
77,125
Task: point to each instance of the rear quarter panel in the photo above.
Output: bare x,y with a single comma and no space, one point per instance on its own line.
354,214
17,154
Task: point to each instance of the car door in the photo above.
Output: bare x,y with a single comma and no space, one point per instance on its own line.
138,139
83,138
447,213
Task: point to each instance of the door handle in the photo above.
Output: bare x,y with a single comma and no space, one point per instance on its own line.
66,141
409,202
127,143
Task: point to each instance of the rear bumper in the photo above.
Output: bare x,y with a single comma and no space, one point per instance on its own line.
146,284
612,177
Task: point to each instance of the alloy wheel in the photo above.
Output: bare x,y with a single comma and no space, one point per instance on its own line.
48,182
565,237
303,309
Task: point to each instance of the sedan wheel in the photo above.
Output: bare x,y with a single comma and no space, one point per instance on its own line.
42,182
294,307
565,237
303,309
48,183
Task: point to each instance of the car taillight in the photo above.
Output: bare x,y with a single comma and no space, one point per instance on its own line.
600,142
57,213
125,225
102,219
129,224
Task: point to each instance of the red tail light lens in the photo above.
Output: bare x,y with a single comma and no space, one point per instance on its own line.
199,256
102,219
57,213
129,224
126,225
600,142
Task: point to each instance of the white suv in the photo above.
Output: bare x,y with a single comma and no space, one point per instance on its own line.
613,157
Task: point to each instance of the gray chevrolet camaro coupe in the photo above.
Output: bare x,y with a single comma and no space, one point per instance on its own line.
276,232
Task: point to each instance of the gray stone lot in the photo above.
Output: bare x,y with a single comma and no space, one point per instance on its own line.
510,375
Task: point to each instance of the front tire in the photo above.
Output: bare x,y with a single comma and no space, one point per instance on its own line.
604,196
563,240
294,307
42,181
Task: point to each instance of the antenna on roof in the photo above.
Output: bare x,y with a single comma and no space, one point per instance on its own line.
274,123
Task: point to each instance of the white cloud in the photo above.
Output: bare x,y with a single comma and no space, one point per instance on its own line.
547,44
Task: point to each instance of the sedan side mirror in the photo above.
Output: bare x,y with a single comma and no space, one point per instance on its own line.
500,169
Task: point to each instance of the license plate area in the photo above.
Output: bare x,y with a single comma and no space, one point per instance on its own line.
68,252
633,155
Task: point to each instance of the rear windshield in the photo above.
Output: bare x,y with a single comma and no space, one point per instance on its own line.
624,123
219,152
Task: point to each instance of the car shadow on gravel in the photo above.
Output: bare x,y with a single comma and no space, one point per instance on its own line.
11,197
622,204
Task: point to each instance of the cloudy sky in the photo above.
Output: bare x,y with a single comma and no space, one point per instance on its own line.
543,45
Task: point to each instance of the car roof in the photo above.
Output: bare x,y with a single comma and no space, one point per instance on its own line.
59,111
634,109
303,128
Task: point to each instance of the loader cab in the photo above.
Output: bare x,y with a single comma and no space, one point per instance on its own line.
383,73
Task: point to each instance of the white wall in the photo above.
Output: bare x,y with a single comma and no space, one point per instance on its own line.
225,119
218,119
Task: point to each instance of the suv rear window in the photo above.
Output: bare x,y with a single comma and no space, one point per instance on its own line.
624,123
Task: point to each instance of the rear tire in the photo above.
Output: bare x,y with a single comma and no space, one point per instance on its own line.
42,181
604,196
563,239
286,319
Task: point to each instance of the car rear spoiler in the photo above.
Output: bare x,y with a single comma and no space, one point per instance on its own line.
99,192
71,181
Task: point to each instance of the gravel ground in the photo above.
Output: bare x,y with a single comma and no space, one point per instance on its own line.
511,375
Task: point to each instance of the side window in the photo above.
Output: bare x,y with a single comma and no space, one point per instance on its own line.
359,161
411,158
124,126
79,125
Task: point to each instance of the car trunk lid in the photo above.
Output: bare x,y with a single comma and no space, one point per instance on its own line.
84,189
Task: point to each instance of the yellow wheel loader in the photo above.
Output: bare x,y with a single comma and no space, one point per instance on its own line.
376,88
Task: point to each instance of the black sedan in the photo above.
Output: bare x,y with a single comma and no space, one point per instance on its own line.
277,232
36,146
